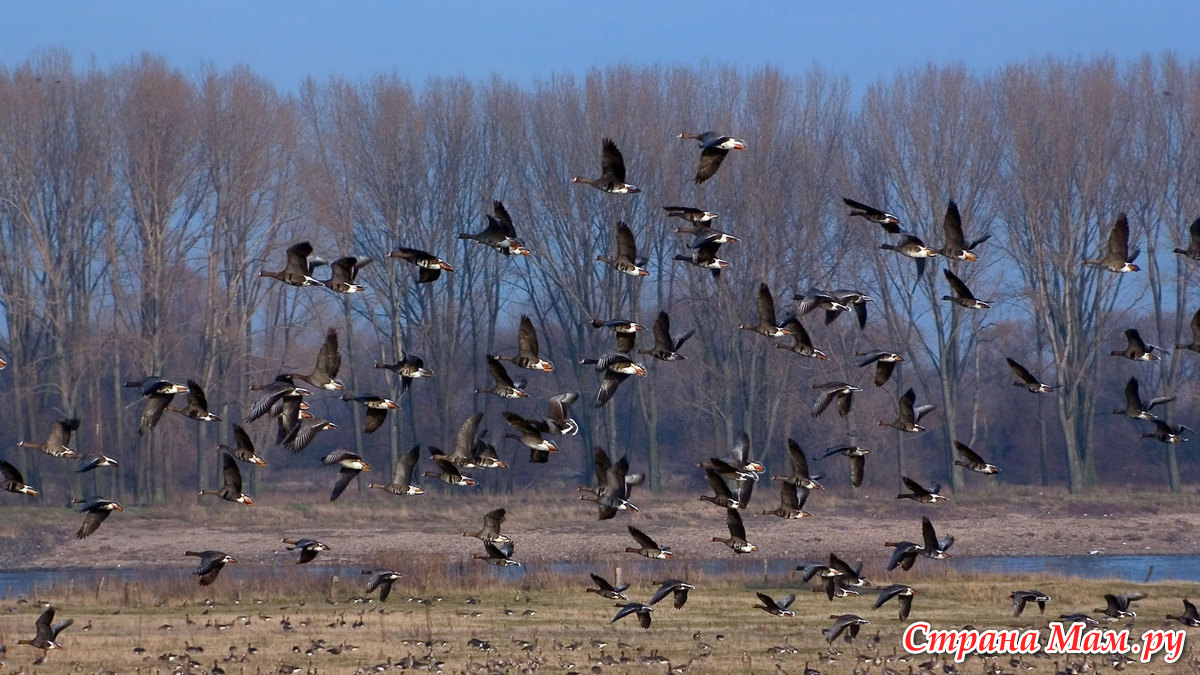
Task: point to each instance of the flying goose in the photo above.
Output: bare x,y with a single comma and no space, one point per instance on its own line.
642,612
919,493
47,631
500,234
13,481
1020,598
504,386
932,547
848,623
197,404
463,455
531,436
607,590
1193,249
231,485
904,597
97,509
616,368
383,580
350,465
858,460
490,532
713,148
971,460
847,575
613,484
304,432
911,246
377,409
92,461
956,247
705,245
298,271
1027,380
271,395
1167,433
889,222
1117,257
1137,349
244,449
736,540
309,548
1190,616
815,298
527,349
158,393
1117,606
329,362
626,260
408,366
961,294
799,476
211,564
557,419
448,474
1133,403
907,415
722,496
612,172
885,363
801,342
402,479
499,555
690,214
1194,345
343,272
843,391
904,556
673,587
429,266
766,315
625,329
647,547
776,607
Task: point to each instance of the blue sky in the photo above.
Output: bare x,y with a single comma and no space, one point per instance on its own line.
525,41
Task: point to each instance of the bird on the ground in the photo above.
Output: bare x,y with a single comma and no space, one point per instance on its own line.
1020,598
903,594
197,404
919,493
1135,408
490,532
13,481
448,474
504,386
777,607
691,214
343,272
956,246
499,555
801,342
231,483
616,368
46,637
612,172
349,465
885,363
91,461
626,261
647,547
766,315
962,295
1167,433
383,580
527,349
329,362
299,269
675,588
911,246
309,548
377,409
429,266
500,234
642,612
736,540
1136,348
1190,616
1027,380
889,222
97,509
211,564
842,391
908,416
1117,256
858,460
1193,248
971,460
713,148
848,623
402,479
607,590
667,346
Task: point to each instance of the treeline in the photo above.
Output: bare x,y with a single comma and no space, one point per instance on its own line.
138,204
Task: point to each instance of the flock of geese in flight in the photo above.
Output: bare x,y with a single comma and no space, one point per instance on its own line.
732,478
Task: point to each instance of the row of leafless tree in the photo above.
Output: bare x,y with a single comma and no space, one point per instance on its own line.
137,205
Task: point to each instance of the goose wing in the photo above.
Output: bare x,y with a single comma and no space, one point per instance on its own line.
329,359
464,441
952,228
766,306
406,464
230,475
626,246
642,539
502,219
957,286
527,340
1021,372
1118,241
733,520
798,458
710,160
612,163
297,259
499,374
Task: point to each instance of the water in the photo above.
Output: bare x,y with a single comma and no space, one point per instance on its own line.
1131,568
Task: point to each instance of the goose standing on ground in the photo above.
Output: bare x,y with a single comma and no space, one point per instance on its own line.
858,461
971,460
92,461
13,481
344,272
642,612
383,580
1027,380
1190,616
777,607
673,587
490,533
350,465
309,548
885,364
47,631
1134,407
962,295
211,564
736,540
429,266
911,246
889,222
956,247
907,415
609,591
801,342
504,386
244,447
1117,257
1020,598
1193,249
499,555
402,480
647,547
626,261
527,349
329,362
298,271
919,493
377,410
766,315
847,623
1137,349
97,509
1167,433
904,597
616,368
691,214
448,474
1194,345
842,391
713,148
500,234
231,486
612,172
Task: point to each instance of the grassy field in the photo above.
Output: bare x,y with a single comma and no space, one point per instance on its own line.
253,622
